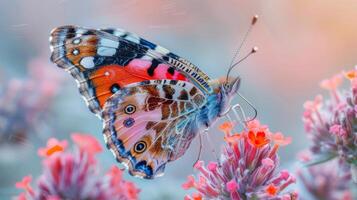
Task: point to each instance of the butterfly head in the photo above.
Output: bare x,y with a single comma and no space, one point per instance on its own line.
226,89
229,87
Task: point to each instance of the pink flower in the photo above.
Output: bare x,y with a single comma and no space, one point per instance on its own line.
22,196
255,126
118,188
232,186
190,183
331,123
87,143
304,156
247,169
338,130
314,105
232,138
75,175
53,146
195,196
332,83
326,181
25,104
279,139
25,185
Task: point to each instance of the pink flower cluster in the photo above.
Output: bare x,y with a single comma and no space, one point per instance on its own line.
326,182
25,104
247,168
331,124
74,174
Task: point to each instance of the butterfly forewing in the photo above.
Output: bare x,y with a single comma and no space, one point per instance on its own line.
102,62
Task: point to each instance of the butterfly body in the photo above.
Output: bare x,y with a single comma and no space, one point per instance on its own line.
151,101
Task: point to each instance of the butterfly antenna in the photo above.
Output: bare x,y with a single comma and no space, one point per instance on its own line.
231,65
251,105
199,151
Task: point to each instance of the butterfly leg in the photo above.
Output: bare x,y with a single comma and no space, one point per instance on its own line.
199,151
237,116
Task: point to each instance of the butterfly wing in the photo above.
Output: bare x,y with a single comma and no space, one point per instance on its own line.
197,76
150,123
104,61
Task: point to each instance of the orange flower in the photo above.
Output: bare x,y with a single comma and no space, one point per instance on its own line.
231,139
255,125
53,146
258,139
271,190
280,139
86,143
196,196
351,74
226,127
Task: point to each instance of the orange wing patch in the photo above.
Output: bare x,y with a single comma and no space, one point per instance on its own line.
109,79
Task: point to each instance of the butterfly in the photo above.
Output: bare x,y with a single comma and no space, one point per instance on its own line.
152,102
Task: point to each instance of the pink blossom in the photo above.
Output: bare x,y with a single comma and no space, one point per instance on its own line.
190,183
25,105
330,123
75,175
332,83
232,186
247,170
87,143
25,185
338,130
53,146
279,139
326,181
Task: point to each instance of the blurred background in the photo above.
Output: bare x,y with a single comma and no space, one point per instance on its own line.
300,43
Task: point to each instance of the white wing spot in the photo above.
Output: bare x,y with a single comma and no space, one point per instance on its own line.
87,62
104,51
75,52
133,38
108,43
76,41
162,50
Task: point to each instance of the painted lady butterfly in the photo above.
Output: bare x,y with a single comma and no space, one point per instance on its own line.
152,102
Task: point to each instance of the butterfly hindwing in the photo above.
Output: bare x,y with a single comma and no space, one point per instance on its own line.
150,123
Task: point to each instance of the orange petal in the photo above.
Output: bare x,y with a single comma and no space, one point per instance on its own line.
232,138
226,126
271,190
